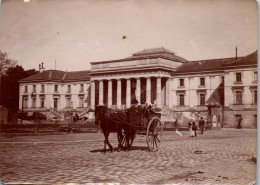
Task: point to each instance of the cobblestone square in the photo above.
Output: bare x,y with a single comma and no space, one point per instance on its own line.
216,157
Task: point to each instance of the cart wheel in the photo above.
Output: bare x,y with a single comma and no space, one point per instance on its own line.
122,140
154,134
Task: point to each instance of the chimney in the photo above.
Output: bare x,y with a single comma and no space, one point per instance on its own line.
236,53
41,69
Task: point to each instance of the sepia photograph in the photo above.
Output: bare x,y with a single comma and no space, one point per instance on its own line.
128,92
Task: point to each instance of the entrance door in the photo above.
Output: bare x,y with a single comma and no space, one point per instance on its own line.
55,103
216,116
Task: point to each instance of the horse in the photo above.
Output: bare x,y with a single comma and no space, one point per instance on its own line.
113,121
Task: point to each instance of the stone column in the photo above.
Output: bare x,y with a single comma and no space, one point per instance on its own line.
128,93
138,90
118,102
167,92
148,90
158,92
101,93
109,97
92,101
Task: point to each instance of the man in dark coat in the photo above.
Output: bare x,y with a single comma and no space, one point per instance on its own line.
239,123
201,125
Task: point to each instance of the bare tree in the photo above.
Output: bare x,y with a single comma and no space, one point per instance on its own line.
5,62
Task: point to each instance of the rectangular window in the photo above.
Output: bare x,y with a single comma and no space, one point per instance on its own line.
68,102
33,102
42,102
81,88
34,88
202,81
255,97
42,88
238,97
55,103
238,77
25,89
202,99
255,76
181,82
56,88
25,102
81,101
181,99
69,89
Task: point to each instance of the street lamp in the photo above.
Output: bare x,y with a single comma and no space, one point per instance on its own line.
22,109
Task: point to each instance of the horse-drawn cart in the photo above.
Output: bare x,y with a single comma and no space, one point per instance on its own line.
137,120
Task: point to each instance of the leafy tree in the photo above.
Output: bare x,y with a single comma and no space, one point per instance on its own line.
5,62
10,87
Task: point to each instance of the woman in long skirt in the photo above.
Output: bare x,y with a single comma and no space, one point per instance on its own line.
192,128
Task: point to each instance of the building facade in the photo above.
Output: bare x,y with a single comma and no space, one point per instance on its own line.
55,92
241,91
181,89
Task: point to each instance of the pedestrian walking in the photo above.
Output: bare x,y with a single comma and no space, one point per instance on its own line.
192,128
239,123
201,125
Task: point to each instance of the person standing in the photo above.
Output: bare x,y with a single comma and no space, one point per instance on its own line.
192,127
239,123
201,125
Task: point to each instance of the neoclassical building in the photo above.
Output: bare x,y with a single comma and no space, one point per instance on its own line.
220,90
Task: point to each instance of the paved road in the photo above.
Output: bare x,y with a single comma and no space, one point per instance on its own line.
216,157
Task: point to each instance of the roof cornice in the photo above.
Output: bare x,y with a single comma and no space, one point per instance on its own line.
136,58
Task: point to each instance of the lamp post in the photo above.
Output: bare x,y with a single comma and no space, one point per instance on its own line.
22,109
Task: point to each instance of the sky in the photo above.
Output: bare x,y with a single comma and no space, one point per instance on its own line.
76,32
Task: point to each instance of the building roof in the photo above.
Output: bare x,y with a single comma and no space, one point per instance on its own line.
149,53
216,64
203,65
153,51
56,75
157,53
250,59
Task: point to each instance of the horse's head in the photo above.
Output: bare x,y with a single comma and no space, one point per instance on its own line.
100,113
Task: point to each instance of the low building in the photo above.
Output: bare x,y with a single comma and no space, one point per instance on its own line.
53,92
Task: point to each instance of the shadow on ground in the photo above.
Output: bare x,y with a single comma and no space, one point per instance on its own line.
141,148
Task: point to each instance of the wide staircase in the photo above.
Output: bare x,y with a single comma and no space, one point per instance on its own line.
83,113
58,114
